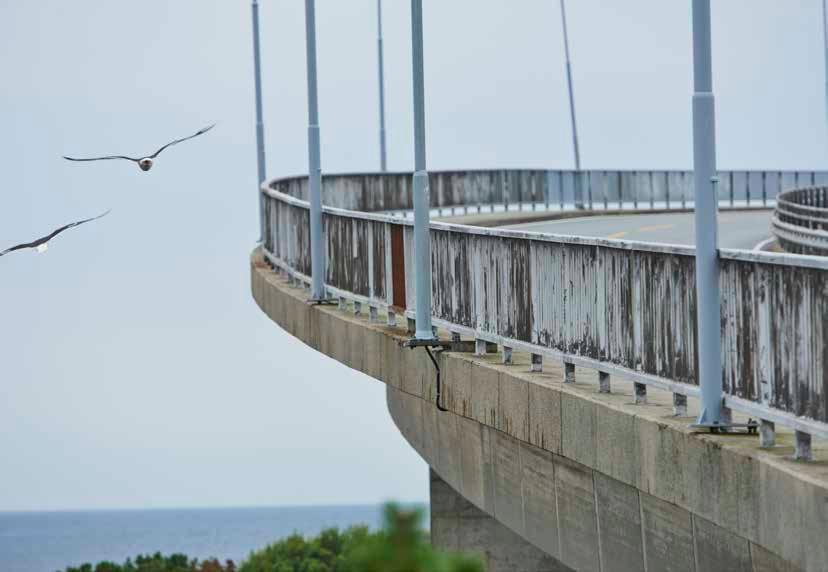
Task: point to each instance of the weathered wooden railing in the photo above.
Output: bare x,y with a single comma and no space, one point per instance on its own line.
622,308
536,189
800,222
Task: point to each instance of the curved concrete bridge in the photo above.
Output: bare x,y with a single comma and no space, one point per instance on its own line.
540,463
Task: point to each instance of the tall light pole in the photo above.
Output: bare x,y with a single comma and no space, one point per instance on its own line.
314,160
260,149
575,146
422,240
381,66
707,258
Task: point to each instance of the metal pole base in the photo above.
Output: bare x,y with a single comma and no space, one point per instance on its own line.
751,427
322,301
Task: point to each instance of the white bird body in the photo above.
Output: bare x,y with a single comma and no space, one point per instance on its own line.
42,248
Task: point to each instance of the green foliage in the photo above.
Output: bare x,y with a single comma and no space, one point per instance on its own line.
159,563
325,553
401,546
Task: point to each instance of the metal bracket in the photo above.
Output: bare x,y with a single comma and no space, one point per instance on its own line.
428,345
751,427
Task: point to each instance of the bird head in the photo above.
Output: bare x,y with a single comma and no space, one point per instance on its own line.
145,164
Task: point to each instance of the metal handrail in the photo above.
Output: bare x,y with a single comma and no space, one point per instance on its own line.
360,270
800,227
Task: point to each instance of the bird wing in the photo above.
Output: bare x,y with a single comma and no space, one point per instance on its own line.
177,141
52,234
18,247
102,158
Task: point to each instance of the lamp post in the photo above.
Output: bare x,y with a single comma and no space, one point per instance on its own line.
706,204
422,240
260,149
314,160
381,73
575,146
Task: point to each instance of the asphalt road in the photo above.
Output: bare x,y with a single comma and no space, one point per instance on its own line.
737,229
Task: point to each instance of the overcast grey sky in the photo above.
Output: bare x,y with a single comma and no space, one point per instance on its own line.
135,370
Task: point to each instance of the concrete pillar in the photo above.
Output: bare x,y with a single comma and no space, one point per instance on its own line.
343,303
459,526
537,363
357,309
412,325
392,319
479,347
373,314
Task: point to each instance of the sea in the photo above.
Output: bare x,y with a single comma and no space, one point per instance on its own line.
51,541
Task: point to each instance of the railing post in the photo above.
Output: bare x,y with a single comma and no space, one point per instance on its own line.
707,262
603,382
767,434
679,405
803,450
260,148
507,355
640,393
314,160
422,240
381,73
569,372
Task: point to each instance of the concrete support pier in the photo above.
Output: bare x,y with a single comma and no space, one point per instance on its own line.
459,526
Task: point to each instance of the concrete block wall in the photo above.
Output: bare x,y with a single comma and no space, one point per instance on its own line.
593,480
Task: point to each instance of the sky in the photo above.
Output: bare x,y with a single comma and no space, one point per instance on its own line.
136,370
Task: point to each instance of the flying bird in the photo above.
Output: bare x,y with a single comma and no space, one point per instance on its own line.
144,162
42,244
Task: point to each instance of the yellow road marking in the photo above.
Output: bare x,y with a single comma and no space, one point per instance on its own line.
656,227
621,234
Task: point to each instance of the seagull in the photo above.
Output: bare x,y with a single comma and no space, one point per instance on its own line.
144,162
42,244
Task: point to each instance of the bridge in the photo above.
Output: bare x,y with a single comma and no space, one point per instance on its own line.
587,396
568,375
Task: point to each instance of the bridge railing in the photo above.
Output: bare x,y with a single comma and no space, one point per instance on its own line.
620,307
527,189
800,221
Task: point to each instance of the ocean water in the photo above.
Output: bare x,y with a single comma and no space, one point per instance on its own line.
50,541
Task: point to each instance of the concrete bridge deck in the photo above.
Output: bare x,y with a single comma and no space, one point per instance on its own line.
593,480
